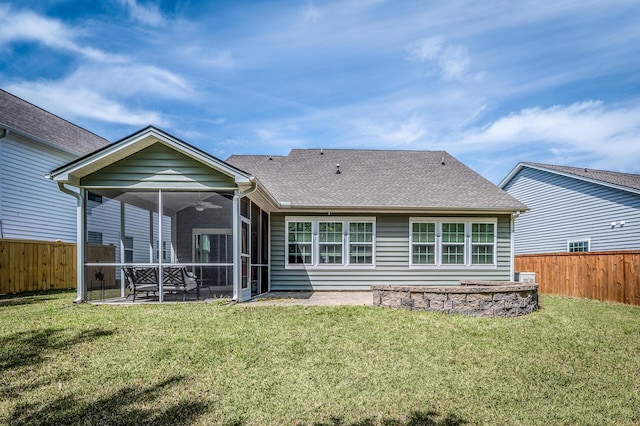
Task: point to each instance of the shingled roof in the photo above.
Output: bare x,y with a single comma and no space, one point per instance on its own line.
628,180
430,180
22,116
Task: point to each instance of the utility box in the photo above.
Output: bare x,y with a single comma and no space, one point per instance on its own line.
525,277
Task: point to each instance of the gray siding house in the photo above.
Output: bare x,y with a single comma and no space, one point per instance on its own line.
32,143
574,209
313,219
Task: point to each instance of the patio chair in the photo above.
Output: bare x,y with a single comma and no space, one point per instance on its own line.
178,279
141,280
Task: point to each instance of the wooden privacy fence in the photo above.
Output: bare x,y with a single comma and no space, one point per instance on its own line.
41,265
612,276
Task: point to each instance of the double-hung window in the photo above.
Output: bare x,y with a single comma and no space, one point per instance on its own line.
299,243
330,243
482,243
423,243
452,242
318,242
361,243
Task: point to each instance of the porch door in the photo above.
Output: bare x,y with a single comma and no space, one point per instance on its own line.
245,258
213,246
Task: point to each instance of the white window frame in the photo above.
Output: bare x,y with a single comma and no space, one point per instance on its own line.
468,244
579,241
346,242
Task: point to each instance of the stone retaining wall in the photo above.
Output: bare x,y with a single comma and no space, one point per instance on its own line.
476,298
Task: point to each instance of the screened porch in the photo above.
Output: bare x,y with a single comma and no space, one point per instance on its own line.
161,246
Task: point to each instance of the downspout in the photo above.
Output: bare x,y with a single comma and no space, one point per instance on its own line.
80,228
5,133
237,234
514,216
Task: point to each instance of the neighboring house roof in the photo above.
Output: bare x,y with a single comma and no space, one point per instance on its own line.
23,117
378,179
624,181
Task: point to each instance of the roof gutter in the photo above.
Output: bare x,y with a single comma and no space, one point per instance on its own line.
5,133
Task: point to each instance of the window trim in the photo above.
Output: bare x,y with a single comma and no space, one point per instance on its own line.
578,241
315,242
468,243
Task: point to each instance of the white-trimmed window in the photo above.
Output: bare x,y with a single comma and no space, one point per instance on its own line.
423,243
299,243
128,249
577,246
330,243
452,242
324,242
361,243
483,240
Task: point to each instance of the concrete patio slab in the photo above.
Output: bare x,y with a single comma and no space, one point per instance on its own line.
313,298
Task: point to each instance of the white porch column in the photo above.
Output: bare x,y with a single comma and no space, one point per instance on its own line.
160,269
237,235
81,226
121,260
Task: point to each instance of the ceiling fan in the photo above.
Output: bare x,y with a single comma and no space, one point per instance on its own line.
202,205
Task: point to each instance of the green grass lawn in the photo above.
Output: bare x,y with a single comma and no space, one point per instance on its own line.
574,362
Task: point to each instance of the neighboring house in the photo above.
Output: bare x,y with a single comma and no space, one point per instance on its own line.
32,143
314,219
575,209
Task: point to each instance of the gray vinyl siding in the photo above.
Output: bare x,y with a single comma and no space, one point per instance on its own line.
391,258
564,208
31,206
105,218
158,166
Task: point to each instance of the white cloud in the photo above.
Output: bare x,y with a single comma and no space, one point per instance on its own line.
28,26
453,61
129,80
104,93
72,102
390,132
148,14
590,131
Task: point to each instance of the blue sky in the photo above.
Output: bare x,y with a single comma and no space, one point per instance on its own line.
491,82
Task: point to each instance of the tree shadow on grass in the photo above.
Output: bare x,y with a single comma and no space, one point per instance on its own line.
415,418
28,298
128,405
30,348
